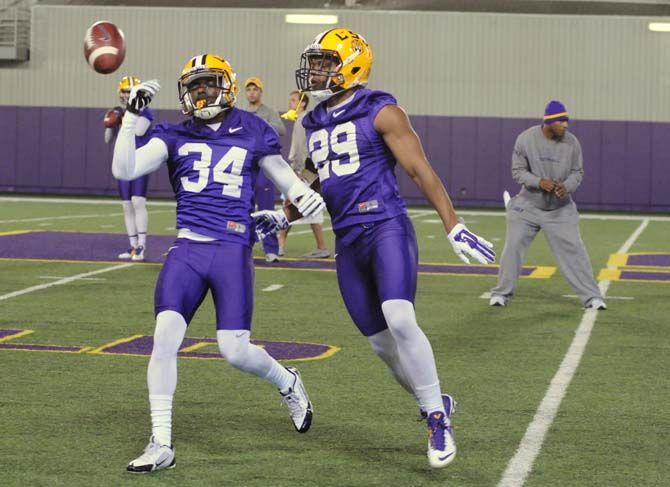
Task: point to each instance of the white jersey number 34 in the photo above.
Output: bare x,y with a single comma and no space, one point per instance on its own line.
340,146
228,171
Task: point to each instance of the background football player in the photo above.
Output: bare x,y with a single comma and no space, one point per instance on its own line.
213,160
133,193
355,137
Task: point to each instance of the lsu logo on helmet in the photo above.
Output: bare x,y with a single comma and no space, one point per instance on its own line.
127,83
217,74
337,60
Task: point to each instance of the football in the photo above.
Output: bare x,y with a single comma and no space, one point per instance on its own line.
104,47
113,117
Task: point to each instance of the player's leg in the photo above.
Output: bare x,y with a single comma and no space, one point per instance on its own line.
179,291
265,200
128,219
562,232
139,192
395,260
521,231
231,279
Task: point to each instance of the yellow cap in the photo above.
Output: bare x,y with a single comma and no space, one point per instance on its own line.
254,81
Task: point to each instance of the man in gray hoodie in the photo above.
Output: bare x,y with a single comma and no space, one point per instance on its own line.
547,162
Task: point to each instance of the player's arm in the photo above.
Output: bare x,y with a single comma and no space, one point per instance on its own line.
143,124
109,133
306,200
394,126
130,163
574,179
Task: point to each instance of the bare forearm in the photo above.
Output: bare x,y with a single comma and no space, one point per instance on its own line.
435,192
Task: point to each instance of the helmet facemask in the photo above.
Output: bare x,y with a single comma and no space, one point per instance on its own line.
218,93
319,73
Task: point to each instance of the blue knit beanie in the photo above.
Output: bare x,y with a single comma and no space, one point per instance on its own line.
555,112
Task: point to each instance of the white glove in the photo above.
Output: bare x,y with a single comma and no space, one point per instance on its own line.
309,203
467,244
141,95
269,222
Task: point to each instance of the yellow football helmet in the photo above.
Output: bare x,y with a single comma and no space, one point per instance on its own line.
337,60
223,77
127,82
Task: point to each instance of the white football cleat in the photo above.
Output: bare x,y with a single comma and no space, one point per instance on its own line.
596,303
155,457
128,254
299,407
270,258
497,300
441,443
138,256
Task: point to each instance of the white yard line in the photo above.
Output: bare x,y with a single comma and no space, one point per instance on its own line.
71,217
77,201
64,280
521,464
81,278
624,298
273,287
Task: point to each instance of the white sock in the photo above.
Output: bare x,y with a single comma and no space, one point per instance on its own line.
235,347
386,349
162,373
141,219
129,220
161,418
415,353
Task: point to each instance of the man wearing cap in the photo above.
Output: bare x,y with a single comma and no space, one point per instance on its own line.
547,163
264,192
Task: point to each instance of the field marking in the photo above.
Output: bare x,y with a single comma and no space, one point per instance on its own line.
65,280
273,287
71,217
624,298
521,464
76,201
81,279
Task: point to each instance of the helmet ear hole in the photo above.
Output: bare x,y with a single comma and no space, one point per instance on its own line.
355,70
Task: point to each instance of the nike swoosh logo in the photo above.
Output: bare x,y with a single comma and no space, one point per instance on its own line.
233,130
445,457
238,335
158,464
337,114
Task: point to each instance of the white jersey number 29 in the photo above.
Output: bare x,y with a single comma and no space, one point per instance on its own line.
340,147
227,171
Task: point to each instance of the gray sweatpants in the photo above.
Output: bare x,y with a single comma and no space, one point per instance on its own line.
561,229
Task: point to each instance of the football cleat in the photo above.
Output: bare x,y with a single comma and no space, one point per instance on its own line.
128,254
155,457
270,258
138,255
449,407
497,300
299,407
441,443
596,303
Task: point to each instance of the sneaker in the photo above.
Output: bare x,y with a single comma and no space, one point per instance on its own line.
441,444
449,407
596,303
299,407
281,251
270,258
155,457
318,254
497,300
128,254
138,256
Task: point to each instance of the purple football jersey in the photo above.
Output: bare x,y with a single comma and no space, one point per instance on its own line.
213,172
354,163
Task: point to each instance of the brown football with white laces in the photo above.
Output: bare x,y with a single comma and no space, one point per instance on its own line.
104,47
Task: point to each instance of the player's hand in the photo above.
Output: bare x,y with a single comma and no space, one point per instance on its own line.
309,203
467,244
269,222
113,117
547,185
141,95
560,190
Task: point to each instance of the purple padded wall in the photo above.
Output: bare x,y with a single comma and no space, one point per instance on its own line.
627,164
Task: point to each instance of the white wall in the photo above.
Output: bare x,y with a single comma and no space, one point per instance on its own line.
436,63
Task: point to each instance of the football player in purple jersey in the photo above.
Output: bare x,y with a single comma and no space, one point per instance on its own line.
213,159
355,138
133,193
